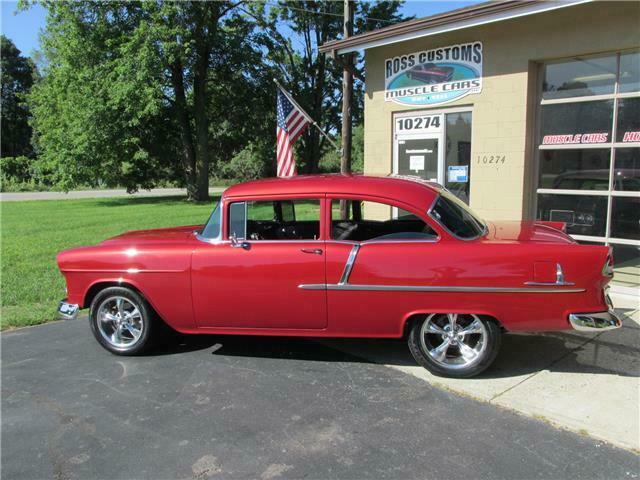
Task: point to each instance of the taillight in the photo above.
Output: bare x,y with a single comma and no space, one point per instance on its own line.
607,269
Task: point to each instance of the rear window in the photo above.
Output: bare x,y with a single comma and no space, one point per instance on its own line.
456,217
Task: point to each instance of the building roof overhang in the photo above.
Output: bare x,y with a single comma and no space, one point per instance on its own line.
473,16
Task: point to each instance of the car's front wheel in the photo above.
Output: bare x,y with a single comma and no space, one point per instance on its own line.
454,345
121,320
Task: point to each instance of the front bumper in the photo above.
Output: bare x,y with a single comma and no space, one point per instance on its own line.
595,322
67,311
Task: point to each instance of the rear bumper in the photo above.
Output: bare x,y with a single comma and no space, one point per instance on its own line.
68,311
595,322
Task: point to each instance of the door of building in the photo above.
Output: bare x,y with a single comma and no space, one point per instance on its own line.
435,146
417,146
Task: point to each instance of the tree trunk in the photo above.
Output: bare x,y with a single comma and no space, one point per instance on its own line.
202,129
204,33
186,137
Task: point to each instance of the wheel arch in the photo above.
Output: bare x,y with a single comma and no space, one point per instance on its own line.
100,285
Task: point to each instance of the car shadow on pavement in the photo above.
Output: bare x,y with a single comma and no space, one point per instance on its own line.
610,353
294,348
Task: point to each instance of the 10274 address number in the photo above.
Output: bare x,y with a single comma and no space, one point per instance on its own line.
495,159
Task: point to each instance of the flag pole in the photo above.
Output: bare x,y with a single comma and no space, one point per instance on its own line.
307,116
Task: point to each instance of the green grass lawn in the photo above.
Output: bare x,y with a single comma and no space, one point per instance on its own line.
33,232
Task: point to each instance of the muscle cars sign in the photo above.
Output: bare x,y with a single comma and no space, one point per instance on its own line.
434,77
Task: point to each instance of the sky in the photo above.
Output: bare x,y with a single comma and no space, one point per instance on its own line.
24,27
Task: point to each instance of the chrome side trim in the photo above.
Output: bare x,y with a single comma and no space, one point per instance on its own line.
559,279
213,241
313,286
429,288
349,265
595,322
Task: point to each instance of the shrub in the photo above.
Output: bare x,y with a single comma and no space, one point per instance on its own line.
245,165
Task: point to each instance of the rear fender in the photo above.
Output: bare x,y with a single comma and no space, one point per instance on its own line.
409,317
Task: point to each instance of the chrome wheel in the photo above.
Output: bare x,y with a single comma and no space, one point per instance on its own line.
453,340
120,322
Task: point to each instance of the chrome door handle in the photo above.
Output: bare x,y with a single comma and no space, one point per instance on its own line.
317,251
235,243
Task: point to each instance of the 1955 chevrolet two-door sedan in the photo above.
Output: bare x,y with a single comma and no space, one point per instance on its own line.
343,256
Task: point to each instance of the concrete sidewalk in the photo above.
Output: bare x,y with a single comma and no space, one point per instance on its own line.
156,192
587,383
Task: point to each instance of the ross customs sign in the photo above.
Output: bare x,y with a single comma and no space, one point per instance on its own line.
433,77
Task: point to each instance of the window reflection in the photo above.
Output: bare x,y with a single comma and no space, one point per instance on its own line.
626,264
626,176
580,77
583,214
625,217
578,118
586,169
458,153
628,120
629,72
567,163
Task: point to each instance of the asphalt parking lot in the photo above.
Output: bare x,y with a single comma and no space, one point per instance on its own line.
246,407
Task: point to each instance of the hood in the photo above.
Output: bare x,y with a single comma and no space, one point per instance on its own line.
159,235
526,232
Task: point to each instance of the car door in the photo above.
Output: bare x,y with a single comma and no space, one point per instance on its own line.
374,249
250,279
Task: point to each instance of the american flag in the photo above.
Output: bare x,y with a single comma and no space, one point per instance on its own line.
291,123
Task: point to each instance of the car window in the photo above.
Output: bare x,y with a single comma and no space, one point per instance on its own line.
361,220
212,229
275,220
456,217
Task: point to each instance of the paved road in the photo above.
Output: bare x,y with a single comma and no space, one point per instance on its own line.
234,407
156,192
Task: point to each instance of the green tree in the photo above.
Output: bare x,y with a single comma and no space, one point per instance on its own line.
295,30
330,161
17,74
131,87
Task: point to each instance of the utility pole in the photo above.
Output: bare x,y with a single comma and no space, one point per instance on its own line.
347,90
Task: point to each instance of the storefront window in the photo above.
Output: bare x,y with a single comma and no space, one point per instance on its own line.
584,169
458,154
629,72
628,120
627,173
625,217
583,214
580,77
626,264
589,153
572,119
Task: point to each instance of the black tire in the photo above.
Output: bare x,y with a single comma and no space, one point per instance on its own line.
491,338
148,322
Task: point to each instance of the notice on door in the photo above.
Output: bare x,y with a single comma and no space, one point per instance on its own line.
416,162
458,173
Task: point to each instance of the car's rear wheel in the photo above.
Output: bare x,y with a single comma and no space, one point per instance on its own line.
454,345
121,320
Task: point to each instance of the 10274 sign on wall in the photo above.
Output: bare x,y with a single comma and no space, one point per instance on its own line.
434,77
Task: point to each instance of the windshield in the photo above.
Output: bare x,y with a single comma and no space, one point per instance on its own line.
454,215
212,229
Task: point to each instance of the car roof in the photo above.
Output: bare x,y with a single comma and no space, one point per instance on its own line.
411,190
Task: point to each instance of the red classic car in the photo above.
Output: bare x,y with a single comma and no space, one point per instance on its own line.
343,256
430,73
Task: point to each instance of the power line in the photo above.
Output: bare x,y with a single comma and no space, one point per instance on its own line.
366,19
